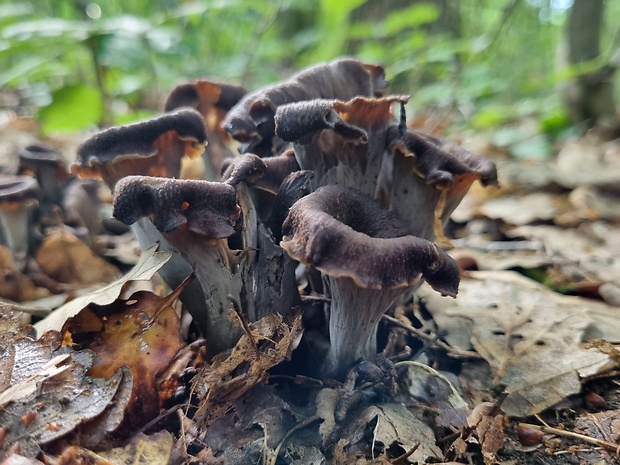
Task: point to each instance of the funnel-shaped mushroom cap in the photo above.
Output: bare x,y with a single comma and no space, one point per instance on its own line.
204,95
206,208
367,259
344,233
251,121
151,148
213,100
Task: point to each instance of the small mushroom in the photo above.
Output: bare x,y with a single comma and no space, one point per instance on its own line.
197,218
213,100
19,196
150,148
48,167
251,121
367,258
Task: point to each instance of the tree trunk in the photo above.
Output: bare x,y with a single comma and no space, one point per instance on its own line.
589,97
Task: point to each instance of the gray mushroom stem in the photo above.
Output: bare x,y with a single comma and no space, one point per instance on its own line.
354,318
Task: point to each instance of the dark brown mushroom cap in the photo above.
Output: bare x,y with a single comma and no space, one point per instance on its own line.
344,233
204,94
16,189
247,168
153,147
251,121
266,174
35,155
439,161
206,208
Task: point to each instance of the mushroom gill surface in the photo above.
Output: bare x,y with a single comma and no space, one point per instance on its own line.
151,148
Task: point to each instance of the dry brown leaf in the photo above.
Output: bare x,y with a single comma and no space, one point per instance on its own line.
593,248
529,335
247,365
153,450
67,259
491,435
142,333
150,262
15,285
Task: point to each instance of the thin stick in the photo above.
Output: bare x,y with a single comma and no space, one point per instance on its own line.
456,353
401,458
302,424
582,437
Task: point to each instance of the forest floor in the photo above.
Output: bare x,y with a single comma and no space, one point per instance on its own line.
521,368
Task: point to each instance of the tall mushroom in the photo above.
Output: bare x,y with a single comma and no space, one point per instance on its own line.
196,217
419,179
155,148
367,258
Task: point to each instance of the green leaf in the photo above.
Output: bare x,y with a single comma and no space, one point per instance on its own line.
413,16
73,107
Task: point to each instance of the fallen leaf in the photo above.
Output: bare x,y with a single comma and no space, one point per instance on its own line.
67,259
15,285
142,333
150,262
521,209
529,335
393,428
153,450
246,366
58,404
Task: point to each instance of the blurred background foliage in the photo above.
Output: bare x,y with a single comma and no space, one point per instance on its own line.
75,64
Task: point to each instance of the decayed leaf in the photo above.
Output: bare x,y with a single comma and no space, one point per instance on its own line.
247,365
395,429
142,333
490,432
251,429
147,266
529,335
12,326
604,426
326,404
58,403
427,384
67,259
95,434
77,455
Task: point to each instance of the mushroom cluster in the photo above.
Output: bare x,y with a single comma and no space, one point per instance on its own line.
327,184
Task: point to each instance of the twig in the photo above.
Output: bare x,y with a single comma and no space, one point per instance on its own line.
456,353
401,458
244,324
302,424
613,447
